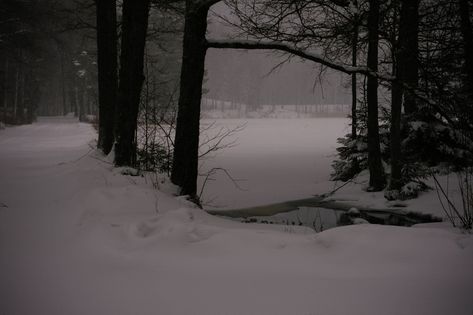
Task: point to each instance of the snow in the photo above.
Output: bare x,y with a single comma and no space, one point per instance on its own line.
274,160
78,237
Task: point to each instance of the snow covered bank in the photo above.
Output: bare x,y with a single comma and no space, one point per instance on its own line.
290,159
77,237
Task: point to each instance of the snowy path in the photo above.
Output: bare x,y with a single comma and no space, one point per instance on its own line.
79,238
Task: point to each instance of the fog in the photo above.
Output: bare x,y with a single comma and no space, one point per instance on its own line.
258,77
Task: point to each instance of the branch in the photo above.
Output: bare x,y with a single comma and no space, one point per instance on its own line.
207,3
273,45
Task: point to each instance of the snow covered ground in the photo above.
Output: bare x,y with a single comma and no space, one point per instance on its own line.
78,237
277,160
274,159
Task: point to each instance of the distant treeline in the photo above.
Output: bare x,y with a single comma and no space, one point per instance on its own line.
227,109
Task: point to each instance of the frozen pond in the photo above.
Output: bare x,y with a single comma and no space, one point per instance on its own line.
273,160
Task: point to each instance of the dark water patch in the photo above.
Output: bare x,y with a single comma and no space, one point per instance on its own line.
321,215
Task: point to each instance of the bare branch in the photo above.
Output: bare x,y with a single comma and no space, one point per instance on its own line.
300,53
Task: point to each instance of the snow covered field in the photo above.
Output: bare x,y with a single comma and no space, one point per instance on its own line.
77,237
275,159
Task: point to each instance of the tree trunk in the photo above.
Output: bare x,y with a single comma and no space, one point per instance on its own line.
63,81
354,53
377,179
22,95
467,34
406,72
73,96
395,182
5,91
185,161
81,101
409,50
107,71
33,97
134,27
16,93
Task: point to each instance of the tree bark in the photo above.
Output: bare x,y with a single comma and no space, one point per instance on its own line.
16,94
406,71
377,179
63,81
81,101
134,27
354,53
396,110
186,150
396,182
467,34
5,91
409,50
73,95
107,71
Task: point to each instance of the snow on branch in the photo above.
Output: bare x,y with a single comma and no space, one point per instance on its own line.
272,45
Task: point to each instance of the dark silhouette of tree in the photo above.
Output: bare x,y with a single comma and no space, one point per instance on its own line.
134,27
377,177
186,144
27,52
467,34
406,71
107,71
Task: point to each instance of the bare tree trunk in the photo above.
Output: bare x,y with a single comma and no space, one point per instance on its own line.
73,97
63,84
395,182
81,101
406,72
409,50
185,161
134,27
377,179
107,71
5,91
22,95
16,91
33,97
467,34
354,53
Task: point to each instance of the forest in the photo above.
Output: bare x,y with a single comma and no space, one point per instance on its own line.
90,58
110,103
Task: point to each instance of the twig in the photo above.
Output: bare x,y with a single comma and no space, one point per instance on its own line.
336,189
226,172
78,159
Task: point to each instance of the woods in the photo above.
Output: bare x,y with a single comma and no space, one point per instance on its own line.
190,156
408,63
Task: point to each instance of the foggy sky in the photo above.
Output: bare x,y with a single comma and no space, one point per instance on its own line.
249,77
